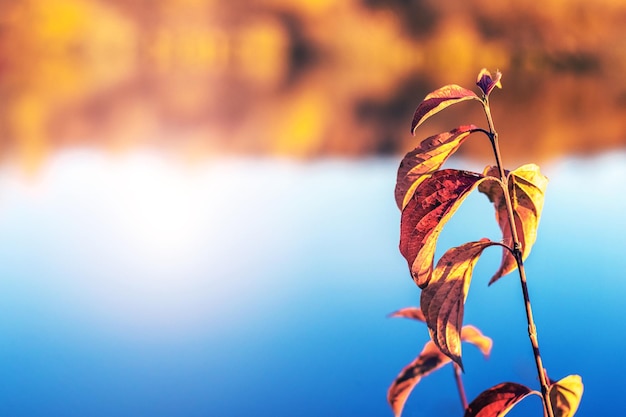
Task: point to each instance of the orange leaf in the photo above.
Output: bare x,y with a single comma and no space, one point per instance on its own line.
527,188
443,300
471,334
498,400
429,360
414,313
435,200
426,159
565,395
439,100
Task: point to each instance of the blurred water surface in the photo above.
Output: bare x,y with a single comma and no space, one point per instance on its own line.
135,285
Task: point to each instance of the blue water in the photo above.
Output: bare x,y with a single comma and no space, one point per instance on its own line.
138,286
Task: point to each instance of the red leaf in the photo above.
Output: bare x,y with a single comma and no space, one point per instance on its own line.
486,82
426,159
432,204
439,100
527,188
498,400
565,395
414,313
429,360
443,300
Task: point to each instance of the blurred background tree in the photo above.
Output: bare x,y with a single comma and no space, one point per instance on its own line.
306,78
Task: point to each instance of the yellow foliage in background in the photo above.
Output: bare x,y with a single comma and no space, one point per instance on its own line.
305,78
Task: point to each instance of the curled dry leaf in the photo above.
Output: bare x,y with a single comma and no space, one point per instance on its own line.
527,188
439,100
443,300
486,82
429,360
565,395
414,313
426,159
435,200
498,400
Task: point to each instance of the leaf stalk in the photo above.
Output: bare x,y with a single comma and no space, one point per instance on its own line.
459,385
517,254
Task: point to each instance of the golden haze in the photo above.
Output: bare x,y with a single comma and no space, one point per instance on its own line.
306,78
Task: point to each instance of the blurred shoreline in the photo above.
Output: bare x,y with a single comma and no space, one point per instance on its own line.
305,79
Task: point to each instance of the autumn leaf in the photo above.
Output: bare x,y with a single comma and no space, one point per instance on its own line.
434,202
443,300
527,188
426,159
473,335
429,360
565,395
439,100
486,82
498,400
414,313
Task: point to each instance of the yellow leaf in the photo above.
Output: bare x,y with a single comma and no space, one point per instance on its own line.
565,395
473,335
527,188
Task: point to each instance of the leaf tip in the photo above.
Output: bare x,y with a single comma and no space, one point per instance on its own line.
454,356
418,118
496,277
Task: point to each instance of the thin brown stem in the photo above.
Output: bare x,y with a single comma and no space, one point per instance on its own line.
460,387
517,254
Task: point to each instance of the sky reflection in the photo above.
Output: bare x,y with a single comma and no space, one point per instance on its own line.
134,285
